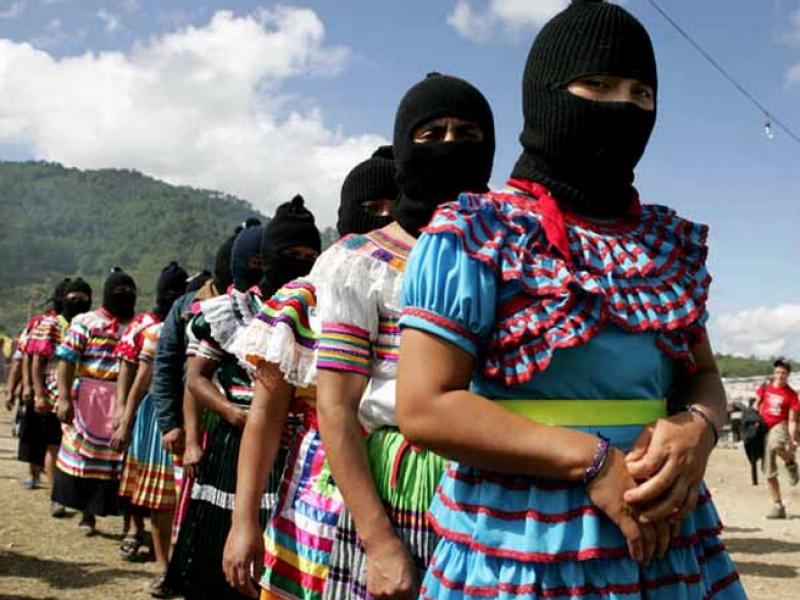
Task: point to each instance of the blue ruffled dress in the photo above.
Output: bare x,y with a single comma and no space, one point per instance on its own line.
590,338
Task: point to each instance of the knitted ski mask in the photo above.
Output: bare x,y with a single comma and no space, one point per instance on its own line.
431,173
584,151
74,306
120,304
171,286
373,179
246,247
58,295
292,225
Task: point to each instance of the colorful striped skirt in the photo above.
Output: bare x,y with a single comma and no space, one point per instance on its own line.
300,534
530,538
406,480
195,569
87,475
148,479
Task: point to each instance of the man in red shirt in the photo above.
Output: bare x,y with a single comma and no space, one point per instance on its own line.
780,408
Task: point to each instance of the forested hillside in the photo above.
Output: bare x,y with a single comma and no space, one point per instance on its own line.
58,221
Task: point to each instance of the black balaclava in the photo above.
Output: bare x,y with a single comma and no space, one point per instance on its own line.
223,278
246,247
121,305
194,283
72,308
58,295
171,286
292,225
584,151
222,265
432,173
372,179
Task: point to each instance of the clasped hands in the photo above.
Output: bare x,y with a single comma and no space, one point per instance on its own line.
649,490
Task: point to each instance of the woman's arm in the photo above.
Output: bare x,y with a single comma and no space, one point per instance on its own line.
433,379
66,377
39,376
125,379
141,384
671,455
261,440
435,411
390,571
199,374
193,444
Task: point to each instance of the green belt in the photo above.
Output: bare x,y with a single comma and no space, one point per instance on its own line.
588,413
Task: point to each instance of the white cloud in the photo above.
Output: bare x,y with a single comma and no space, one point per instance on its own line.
793,37
111,21
203,106
763,332
511,16
13,11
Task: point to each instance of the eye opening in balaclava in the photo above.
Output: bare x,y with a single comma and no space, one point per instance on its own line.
119,294
369,181
431,173
292,226
171,285
584,151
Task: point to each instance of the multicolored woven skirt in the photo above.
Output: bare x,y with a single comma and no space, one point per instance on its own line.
531,538
83,483
195,569
148,478
406,480
300,535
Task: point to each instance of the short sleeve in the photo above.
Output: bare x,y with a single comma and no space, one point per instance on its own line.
348,310
130,345
449,294
201,343
74,342
45,338
150,343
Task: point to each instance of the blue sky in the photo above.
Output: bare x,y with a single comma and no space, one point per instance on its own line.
158,86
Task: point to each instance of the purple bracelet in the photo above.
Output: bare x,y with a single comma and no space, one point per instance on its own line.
693,409
598,461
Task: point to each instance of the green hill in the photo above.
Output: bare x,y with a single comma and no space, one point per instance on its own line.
60,222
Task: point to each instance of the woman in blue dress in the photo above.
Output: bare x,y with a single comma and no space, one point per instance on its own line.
546,326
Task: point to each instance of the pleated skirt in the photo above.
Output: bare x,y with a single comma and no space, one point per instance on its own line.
148,478
406,480
195,569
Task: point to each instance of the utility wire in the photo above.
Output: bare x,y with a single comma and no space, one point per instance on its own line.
753,100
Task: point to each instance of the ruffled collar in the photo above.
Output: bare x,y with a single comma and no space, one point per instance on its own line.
229,313
643,273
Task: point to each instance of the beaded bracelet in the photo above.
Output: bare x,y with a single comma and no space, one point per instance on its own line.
693,409
600,456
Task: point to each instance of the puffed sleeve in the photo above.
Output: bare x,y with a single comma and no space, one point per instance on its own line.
74,342
347,285
448,293
201,343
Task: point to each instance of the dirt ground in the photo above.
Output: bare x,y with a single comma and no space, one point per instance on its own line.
45,559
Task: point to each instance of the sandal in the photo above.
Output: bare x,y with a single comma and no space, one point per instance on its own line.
158,587
129,547
57,510
87,526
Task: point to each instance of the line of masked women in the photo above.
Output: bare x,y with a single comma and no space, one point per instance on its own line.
518,442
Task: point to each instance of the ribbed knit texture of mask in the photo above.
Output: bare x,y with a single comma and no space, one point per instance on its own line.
584,151
372,179
435,172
